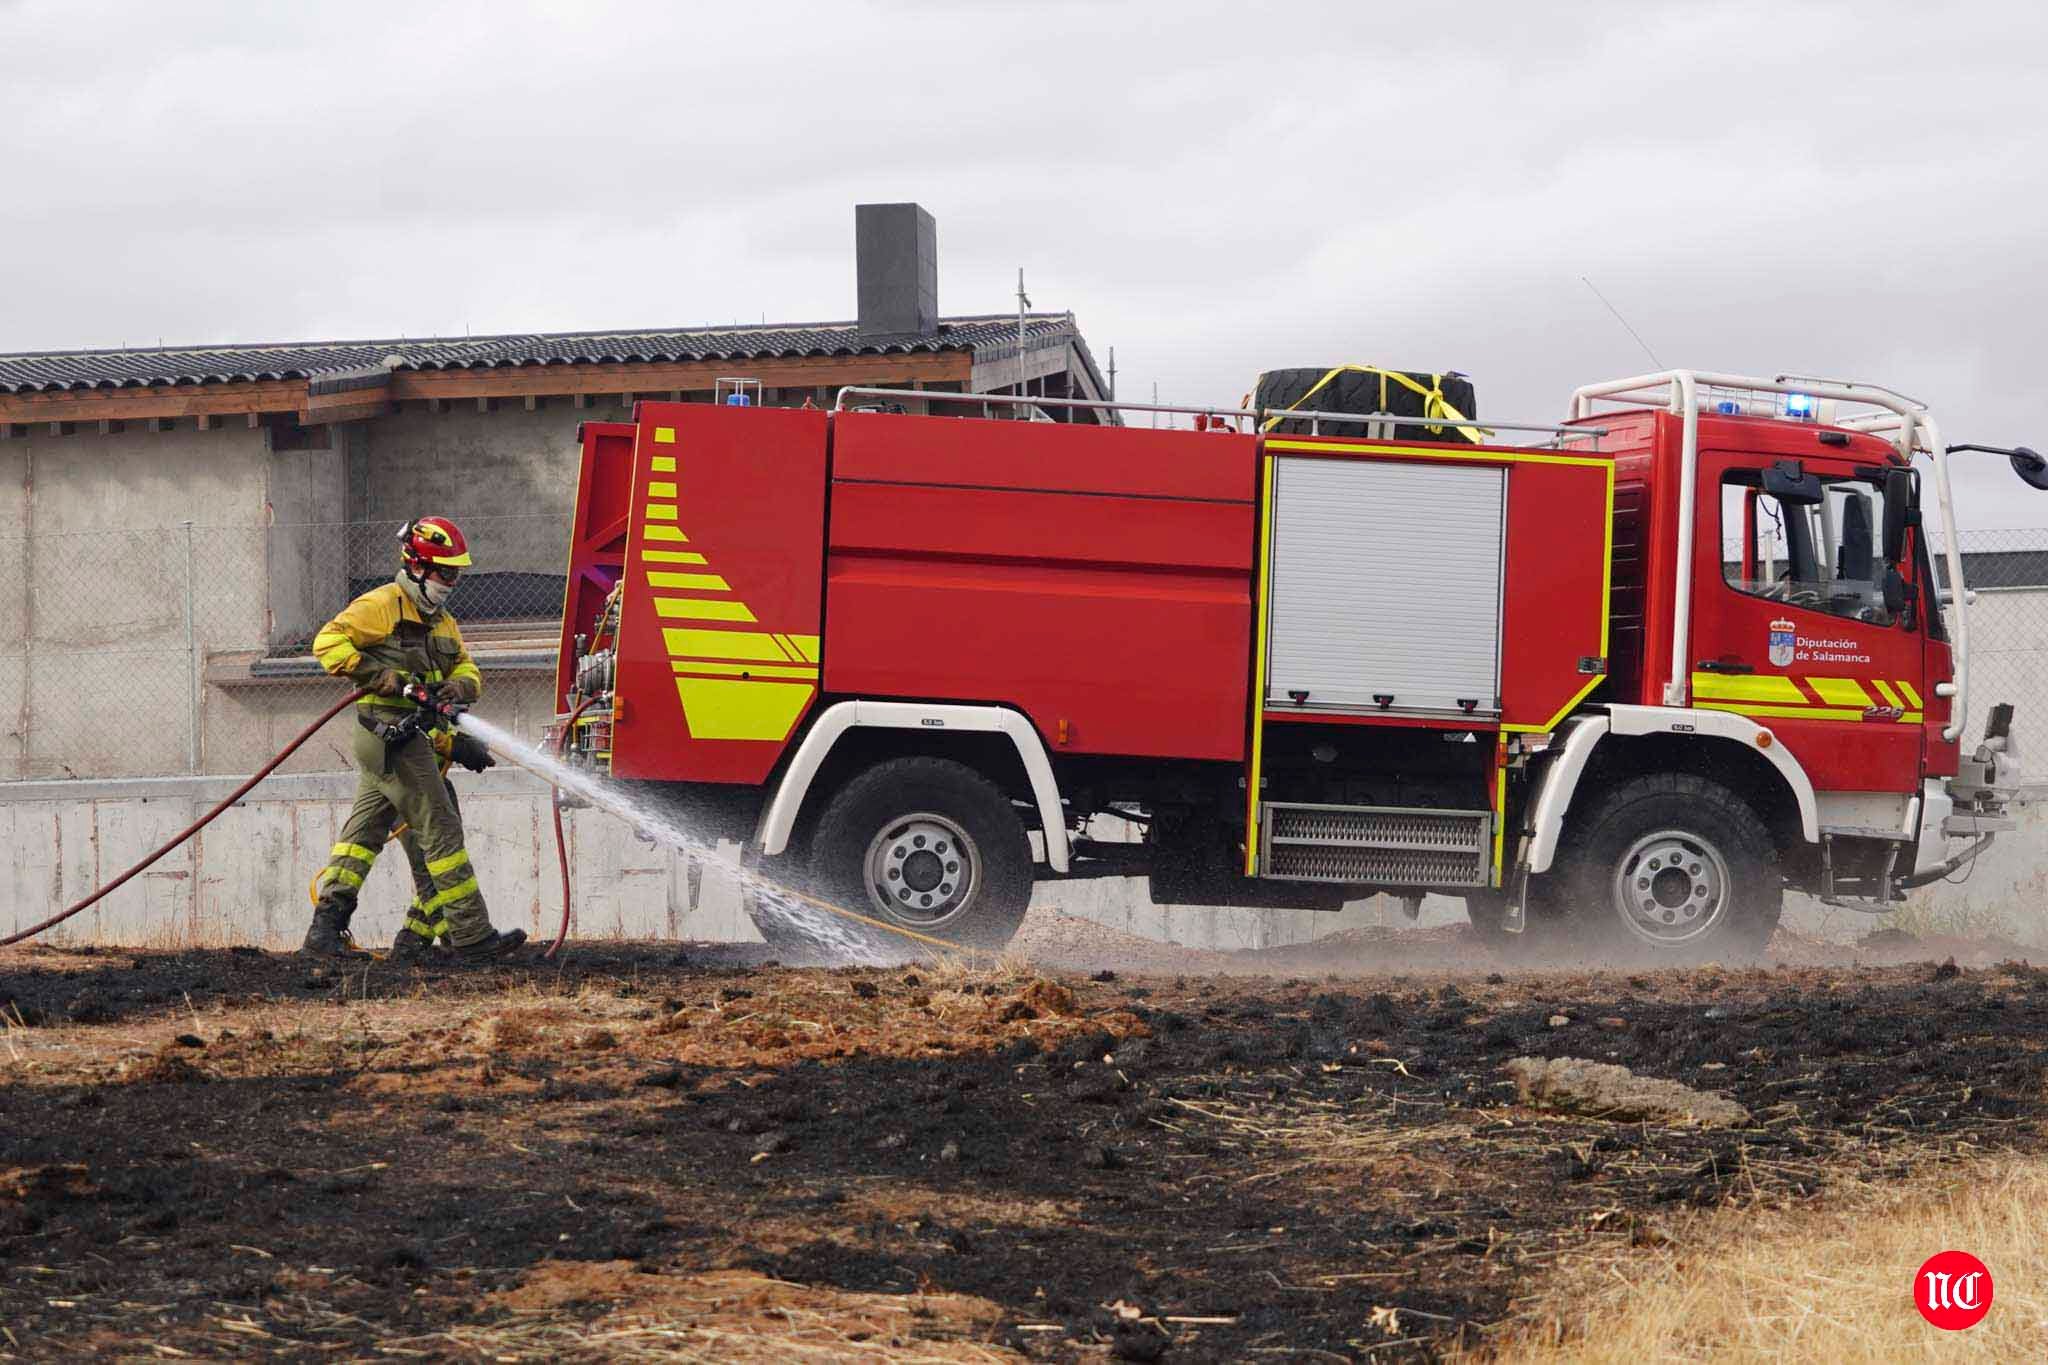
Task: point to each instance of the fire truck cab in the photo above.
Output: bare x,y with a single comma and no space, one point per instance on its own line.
1621,686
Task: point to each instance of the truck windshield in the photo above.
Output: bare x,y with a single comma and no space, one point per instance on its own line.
1821,556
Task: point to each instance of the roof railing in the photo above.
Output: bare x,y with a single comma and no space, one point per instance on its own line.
1257,417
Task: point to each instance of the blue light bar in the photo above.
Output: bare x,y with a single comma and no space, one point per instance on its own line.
1799,405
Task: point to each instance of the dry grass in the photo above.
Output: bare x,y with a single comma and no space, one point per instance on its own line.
1830,1283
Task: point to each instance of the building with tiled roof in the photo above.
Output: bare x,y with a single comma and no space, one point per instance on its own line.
181,518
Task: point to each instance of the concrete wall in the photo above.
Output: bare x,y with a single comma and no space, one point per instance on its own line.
105,567
96,657
307,575
508,476
15,593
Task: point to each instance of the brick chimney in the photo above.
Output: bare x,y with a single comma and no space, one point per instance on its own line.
896,250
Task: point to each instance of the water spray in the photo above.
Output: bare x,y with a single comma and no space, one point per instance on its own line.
828,924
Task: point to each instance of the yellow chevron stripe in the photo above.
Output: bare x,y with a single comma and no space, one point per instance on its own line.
1912,696
806,646
668,533
1884,689
701,609
1799,712
709,582
662,464
664,436
721,644
746,670
1764,688
730,708
661,489
661,511
671,557
1841,691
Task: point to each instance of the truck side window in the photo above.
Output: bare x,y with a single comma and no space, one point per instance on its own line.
1821,556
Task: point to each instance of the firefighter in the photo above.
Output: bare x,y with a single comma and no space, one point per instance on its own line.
386,638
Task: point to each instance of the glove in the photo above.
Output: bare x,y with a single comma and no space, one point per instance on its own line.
387,683
471,753
463,690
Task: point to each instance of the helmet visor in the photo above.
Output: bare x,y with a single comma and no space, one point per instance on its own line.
449,574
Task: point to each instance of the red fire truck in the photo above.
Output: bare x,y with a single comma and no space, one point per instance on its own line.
1621,685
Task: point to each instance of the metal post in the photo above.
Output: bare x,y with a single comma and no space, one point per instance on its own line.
191,663
1023,302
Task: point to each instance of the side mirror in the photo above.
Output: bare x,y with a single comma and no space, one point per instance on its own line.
1898,512
2030,466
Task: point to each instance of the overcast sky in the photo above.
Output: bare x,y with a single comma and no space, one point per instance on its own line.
1856,189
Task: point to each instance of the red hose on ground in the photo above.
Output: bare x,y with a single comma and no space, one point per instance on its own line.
201,823
561,840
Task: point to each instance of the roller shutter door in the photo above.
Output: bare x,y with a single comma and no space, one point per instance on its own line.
1385,582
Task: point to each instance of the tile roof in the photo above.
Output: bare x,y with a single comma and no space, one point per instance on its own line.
30,372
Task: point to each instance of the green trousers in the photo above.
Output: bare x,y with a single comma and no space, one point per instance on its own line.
415,792
431,925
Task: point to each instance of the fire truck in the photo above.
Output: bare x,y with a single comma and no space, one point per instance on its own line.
1621,681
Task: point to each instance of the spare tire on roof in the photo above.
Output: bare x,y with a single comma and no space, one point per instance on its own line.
1371,389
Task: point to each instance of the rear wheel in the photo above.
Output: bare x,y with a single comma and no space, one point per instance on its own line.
1673,868
923,844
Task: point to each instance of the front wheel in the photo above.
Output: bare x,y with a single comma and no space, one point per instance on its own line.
927,845
1673,868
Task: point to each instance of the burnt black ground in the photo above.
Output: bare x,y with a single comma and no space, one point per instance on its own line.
1288,1153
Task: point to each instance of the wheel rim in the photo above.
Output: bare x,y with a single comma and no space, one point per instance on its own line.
1671,887
922,870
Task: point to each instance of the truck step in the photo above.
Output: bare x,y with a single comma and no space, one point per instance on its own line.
1376,845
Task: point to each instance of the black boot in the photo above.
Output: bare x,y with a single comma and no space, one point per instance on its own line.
410,950
327,935
498,945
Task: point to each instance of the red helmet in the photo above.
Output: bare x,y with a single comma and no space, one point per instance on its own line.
434,541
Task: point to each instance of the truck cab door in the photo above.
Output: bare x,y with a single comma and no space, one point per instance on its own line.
1791,624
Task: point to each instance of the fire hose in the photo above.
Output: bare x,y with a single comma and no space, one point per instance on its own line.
561,839
201,823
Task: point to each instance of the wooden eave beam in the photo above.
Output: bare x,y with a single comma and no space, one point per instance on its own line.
171,402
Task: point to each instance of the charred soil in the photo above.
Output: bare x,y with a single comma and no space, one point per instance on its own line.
651,1150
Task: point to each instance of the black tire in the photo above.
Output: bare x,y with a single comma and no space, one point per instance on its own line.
1670,868
905,819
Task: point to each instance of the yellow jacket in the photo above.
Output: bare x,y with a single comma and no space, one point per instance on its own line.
384,629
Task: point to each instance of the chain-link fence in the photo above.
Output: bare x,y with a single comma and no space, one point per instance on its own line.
183,649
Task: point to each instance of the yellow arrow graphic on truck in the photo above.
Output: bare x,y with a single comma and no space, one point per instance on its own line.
733,684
